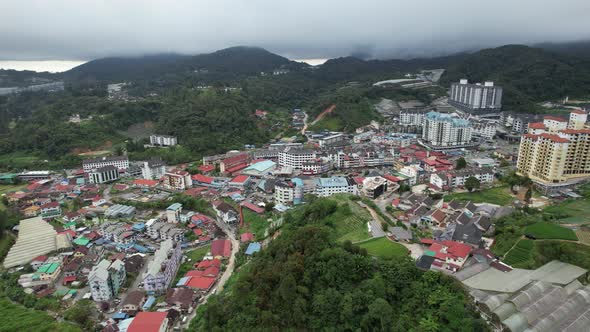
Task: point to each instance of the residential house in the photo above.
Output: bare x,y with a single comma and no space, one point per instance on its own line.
181,298
133,302
221,248
31,211
449,255
225,212
149,322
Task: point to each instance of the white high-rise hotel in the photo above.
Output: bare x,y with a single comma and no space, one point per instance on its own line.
444,130
476,97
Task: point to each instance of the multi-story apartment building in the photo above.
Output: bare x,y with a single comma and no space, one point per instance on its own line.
314,167
105,280
177,180
485,130
163,140
577,119
173,213
284,192
156,229
473,98
153,169
332,139
446,131
162,269
120,162
411,118
554,154
295,158
104,174
117,232
456,178
325,187
50,210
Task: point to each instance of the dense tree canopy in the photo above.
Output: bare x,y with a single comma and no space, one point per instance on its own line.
304,280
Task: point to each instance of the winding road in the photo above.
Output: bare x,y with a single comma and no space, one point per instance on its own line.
235,246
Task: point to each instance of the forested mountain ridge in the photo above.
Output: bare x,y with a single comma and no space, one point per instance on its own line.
240,60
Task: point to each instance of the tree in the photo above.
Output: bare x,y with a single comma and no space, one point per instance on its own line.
461,163
472,183
528,195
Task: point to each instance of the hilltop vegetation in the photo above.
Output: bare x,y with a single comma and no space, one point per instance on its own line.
306,280
527,75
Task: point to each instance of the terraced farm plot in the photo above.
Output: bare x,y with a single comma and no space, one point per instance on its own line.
550,231
522,253
583,236
350,224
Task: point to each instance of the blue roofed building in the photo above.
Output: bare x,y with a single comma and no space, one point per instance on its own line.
260,168
253,248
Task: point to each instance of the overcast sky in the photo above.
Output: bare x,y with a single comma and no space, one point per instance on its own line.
83,30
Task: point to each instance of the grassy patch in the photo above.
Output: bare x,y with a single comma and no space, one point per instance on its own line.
7,188
350,221
254,223
18,318
546,230
498,195
195,256
384,248
571,211
521,254
18,160
568,252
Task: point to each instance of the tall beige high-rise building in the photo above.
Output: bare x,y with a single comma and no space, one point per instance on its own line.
555,153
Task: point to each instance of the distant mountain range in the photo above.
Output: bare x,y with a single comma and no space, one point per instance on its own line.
528,74
236,60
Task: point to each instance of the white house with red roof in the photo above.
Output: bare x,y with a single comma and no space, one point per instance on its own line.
449,255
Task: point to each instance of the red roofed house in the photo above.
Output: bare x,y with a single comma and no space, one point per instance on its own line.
240,181
200,179
449,255
200,283
233,164
247,237
206,168
204,264
252,207
146,321
221,247
261,114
